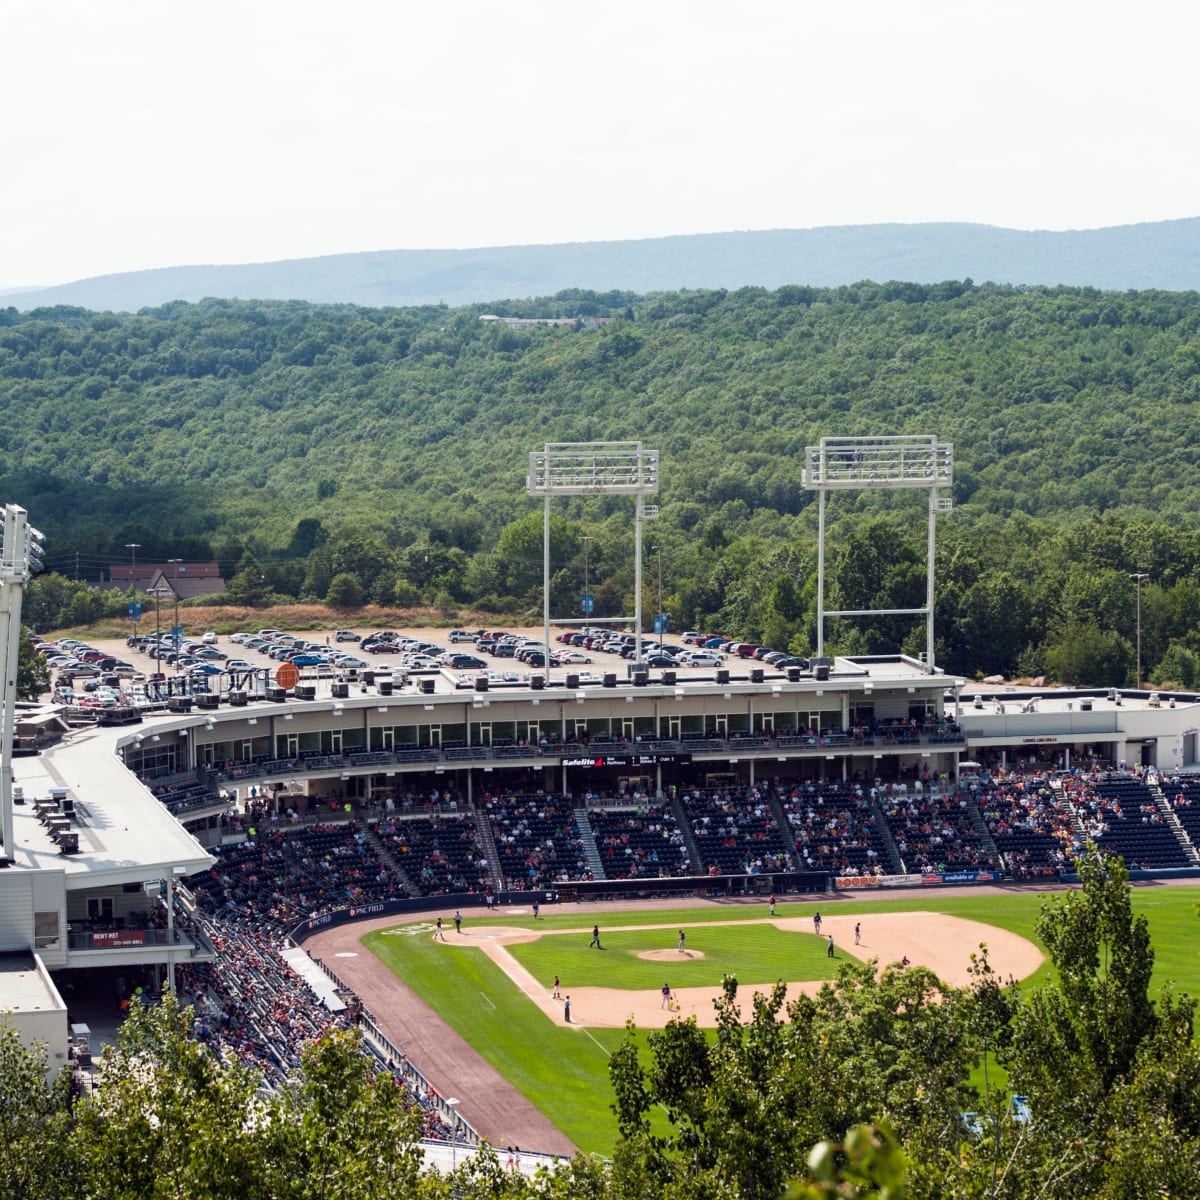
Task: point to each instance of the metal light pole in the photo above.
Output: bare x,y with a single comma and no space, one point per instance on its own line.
133,547
587,610
660,622
176,637
1137,578
158,593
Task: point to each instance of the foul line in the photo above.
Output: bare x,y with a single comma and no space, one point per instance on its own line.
488,999
603,1049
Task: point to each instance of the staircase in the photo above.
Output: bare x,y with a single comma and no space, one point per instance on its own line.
689,838
785,826
588,840
487,842
1063,804
1170,819
985,834
386,855
894,861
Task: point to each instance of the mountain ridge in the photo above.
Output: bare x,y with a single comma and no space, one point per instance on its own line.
1160,255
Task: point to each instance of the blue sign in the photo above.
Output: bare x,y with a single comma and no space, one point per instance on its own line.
587,603
135,611
660,623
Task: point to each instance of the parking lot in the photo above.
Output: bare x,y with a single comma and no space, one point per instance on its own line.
453,658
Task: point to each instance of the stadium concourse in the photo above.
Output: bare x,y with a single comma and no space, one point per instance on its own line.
206,844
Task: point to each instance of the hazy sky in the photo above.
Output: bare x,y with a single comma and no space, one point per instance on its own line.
149,133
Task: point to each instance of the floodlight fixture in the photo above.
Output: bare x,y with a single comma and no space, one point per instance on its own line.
904,461
595,469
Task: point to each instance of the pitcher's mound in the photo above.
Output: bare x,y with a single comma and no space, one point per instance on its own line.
669,955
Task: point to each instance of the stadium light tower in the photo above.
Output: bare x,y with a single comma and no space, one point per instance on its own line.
20,559
595,469
874,464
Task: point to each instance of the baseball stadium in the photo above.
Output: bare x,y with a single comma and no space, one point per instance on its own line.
496,879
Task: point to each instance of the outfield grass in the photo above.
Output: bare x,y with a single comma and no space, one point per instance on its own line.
564,1071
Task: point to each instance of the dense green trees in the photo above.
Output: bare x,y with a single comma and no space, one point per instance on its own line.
317,440
33,672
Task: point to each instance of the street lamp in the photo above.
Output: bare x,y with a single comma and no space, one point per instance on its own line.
133,548
1138,578
587,609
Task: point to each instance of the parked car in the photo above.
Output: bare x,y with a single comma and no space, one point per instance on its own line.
571,656
209,639
466,662
660,661
238,664
346,635
702,658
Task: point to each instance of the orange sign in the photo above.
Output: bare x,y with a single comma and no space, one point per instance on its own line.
287,676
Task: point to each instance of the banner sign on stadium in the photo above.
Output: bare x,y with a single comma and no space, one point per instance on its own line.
117,939
900,880
960,877
856,881
625,760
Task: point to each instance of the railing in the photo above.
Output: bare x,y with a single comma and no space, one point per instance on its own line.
397,1063
696,744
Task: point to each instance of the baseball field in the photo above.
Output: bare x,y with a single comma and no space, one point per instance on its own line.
478,1015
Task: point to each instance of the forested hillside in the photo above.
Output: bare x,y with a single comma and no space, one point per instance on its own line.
301,443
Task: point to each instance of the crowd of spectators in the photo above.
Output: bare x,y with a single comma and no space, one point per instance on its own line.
1121,815
285,874
439,854
250,1006
642,841
936,832
833,828
1032,829
537,840
736,831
